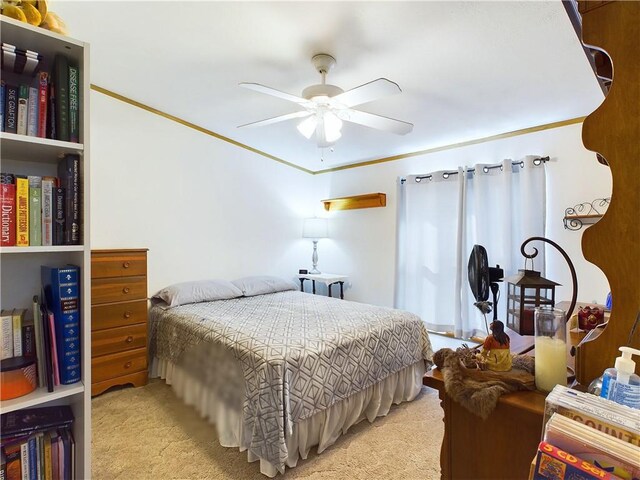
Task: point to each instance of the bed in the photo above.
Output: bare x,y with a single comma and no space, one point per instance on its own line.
282,371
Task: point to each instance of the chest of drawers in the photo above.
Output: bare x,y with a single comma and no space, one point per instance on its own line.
118,318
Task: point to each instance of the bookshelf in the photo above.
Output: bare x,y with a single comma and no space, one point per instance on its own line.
20,266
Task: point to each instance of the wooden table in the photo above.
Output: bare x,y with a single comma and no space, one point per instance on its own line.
500,447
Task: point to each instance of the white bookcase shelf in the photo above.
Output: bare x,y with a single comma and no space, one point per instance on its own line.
20,266
35,149
40,396
52,249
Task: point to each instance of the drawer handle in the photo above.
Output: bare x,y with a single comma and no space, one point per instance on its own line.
125,265
127,314
127,365
129,339
125,290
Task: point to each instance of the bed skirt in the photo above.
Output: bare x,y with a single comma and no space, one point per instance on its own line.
321,429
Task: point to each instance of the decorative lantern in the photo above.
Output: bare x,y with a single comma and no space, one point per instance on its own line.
526,291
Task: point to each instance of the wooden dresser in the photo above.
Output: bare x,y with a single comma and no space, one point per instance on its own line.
118,318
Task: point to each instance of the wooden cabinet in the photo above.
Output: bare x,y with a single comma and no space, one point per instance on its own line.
500,447
119,329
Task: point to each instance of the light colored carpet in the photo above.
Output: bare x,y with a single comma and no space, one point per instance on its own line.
148,433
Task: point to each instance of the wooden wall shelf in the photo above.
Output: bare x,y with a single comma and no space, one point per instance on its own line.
370,200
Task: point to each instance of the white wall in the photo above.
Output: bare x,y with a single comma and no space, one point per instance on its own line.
208,209
204,208
363,241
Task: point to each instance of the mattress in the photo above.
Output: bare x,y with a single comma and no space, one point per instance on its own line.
281,358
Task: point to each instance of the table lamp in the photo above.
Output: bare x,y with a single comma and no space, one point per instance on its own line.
315,229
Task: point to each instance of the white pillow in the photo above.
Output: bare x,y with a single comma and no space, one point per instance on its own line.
198,291
261,284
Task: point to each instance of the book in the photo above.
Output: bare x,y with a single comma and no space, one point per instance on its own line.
28,338
7,214
22,211
55,365
54,454
39,334
61,81
17,317
48,469
48,184
599,413
2,99
599,448
69,174
59,201
35,210
554,463
46,343
51,110
33,459
74,103
39,455
32,112
24,460
31,420
13,453
23,101
62,294
43,97
72,451
11,108
6,334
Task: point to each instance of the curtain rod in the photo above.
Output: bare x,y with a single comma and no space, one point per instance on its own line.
485,169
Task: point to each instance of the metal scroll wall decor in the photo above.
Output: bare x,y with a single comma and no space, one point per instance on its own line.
586,213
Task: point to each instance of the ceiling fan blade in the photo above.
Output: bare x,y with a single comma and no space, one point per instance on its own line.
276,93
366,93
376,121
279,118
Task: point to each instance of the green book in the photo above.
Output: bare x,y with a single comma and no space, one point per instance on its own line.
23,109
35,210
74,104
61,85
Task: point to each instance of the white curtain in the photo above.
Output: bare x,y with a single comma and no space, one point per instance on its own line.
440,218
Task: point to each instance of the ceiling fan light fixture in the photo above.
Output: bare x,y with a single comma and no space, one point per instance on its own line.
332,127
308,126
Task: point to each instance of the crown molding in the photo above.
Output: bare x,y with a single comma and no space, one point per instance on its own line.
173,118
198,128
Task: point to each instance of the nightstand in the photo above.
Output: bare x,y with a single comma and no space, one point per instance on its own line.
328,279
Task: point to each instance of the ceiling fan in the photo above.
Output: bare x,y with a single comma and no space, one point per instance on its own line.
327,106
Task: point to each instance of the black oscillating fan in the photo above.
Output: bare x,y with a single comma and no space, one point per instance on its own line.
483,278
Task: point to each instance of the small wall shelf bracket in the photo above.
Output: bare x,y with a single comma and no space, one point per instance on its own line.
586,213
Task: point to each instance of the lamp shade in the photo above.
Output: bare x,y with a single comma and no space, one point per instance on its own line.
315,228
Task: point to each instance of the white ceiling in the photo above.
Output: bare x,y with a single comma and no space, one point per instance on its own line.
467,69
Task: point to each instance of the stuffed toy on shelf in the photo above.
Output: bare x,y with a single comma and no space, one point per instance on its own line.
34,12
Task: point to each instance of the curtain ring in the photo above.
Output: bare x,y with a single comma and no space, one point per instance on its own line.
485,169
445,175
522,163
418,179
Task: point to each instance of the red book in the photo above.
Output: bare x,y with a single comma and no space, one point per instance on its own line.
54,352
43,100
8,214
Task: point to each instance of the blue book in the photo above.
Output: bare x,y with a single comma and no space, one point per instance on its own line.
33,459
62,295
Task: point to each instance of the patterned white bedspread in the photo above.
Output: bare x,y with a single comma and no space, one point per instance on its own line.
282,357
